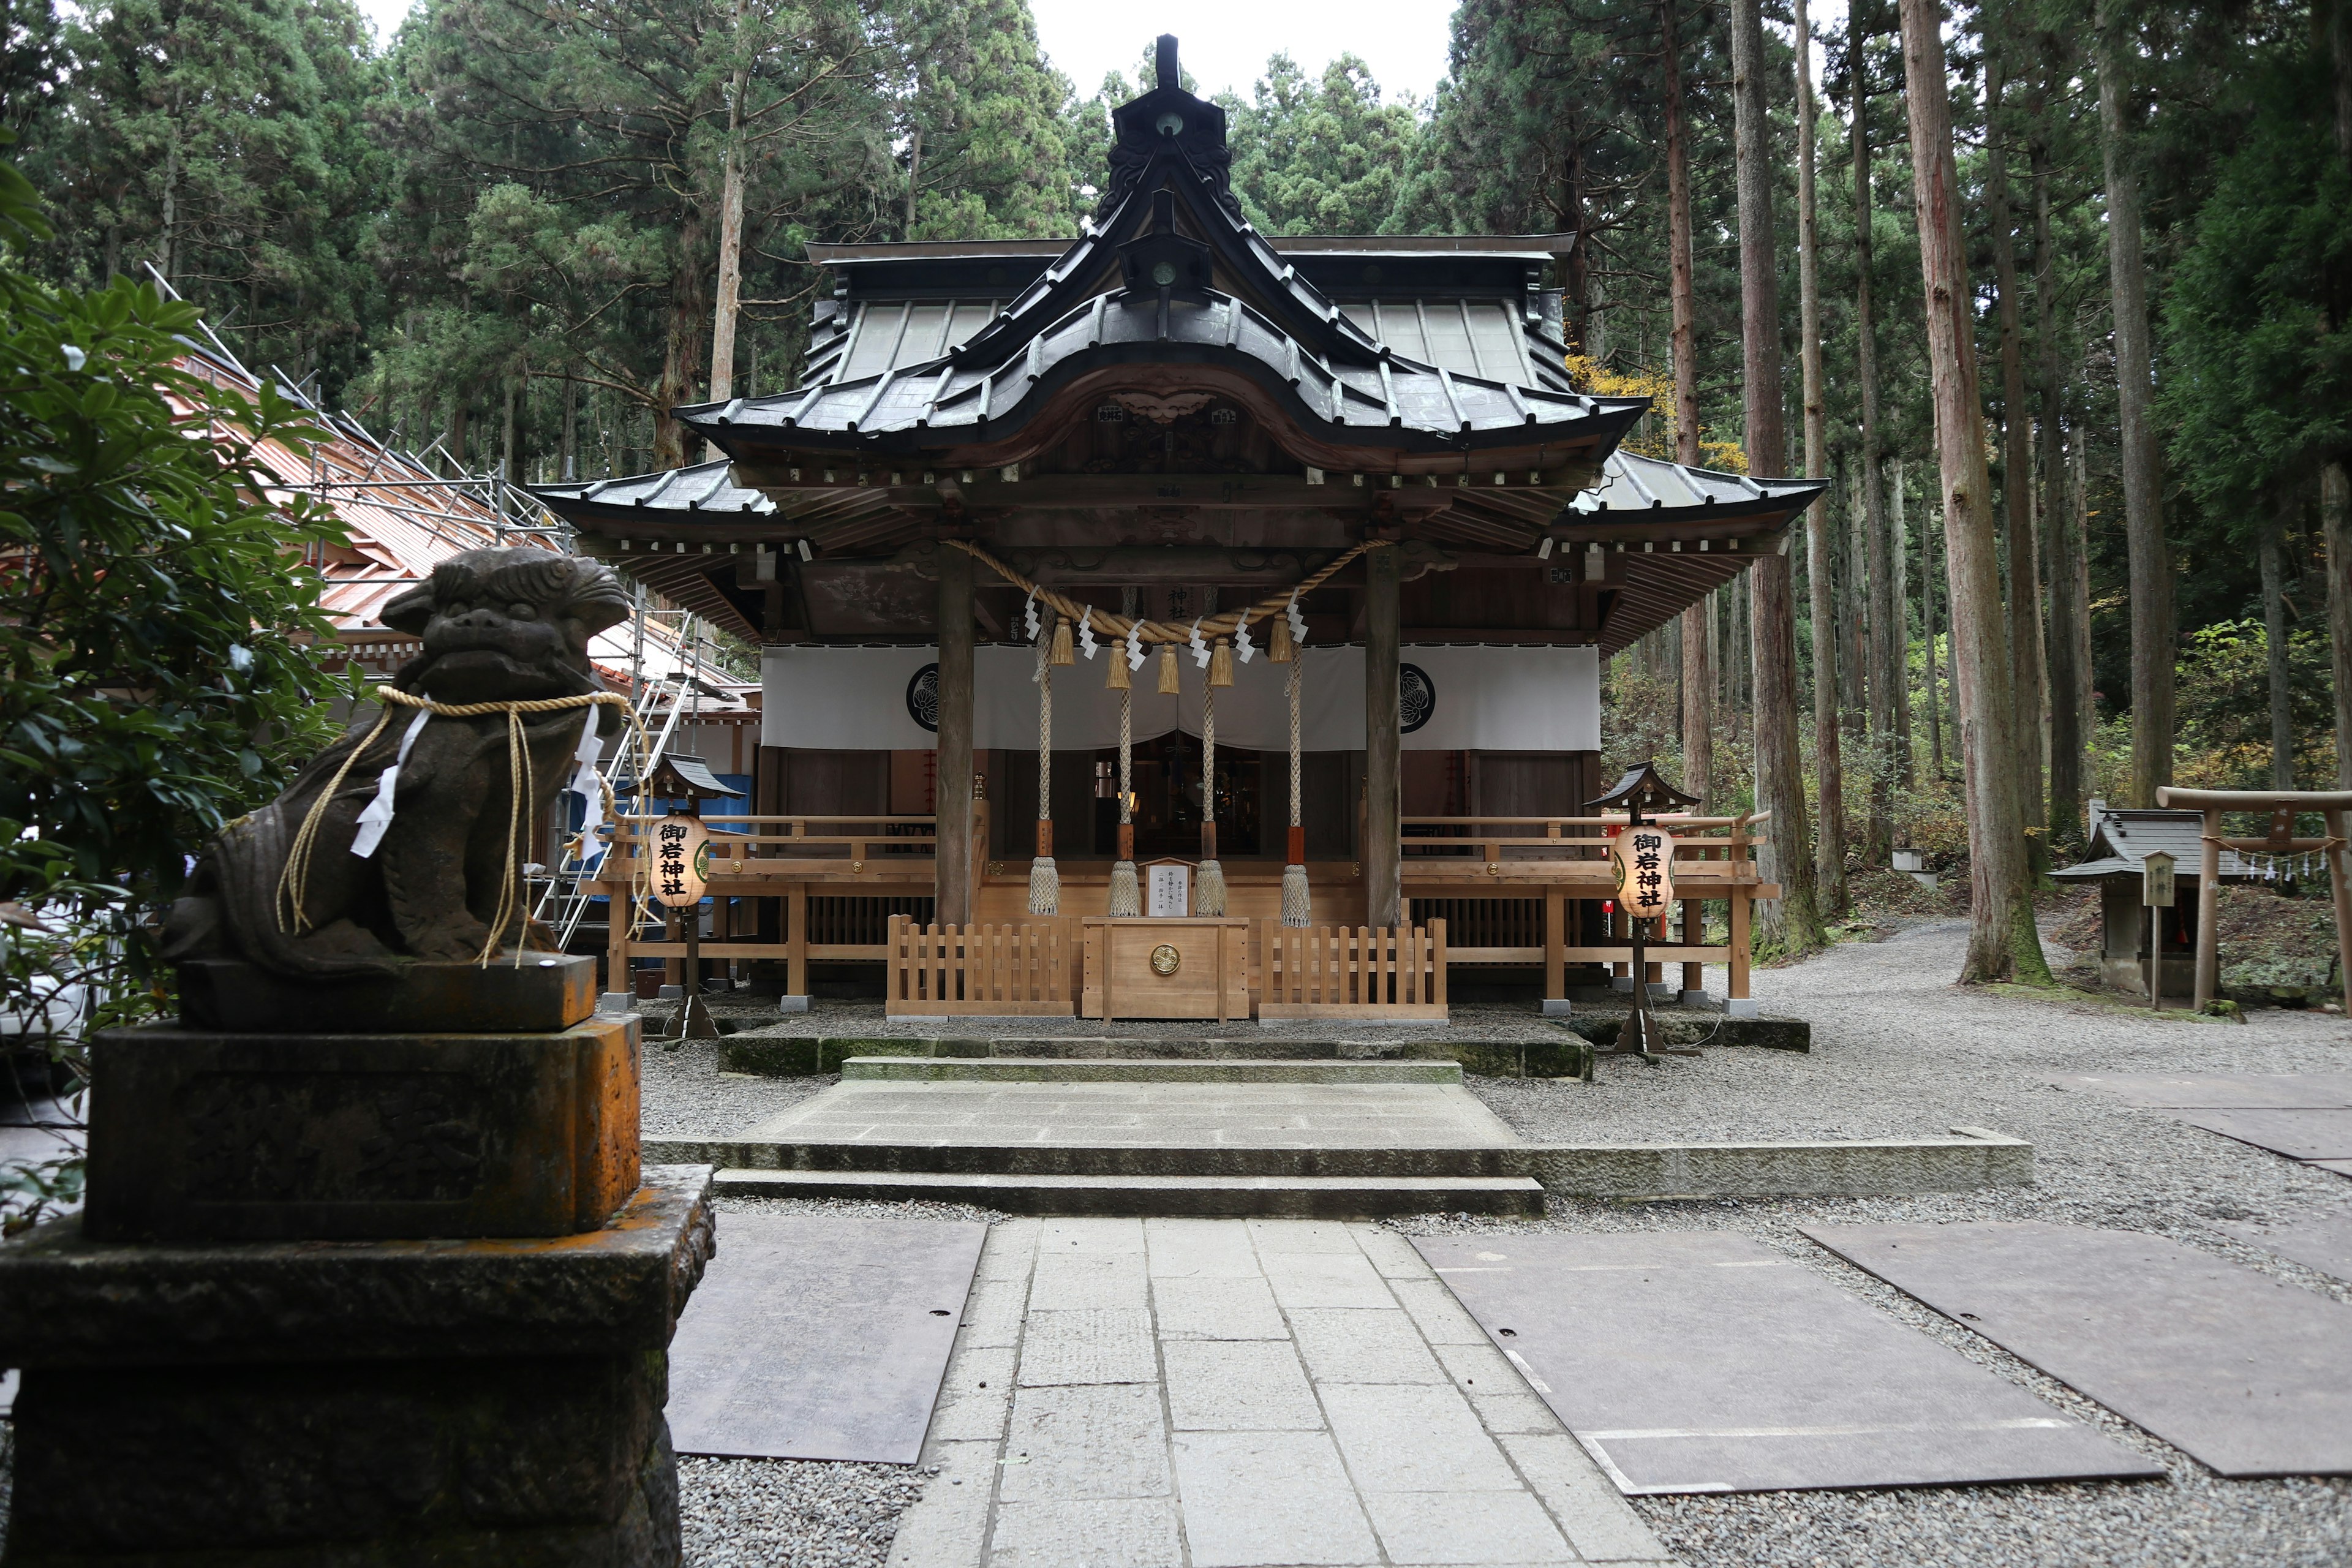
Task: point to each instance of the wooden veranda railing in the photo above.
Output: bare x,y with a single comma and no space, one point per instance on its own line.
1520,890
1523,884
795,890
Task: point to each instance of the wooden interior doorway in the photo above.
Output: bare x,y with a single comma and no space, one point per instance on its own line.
1168,794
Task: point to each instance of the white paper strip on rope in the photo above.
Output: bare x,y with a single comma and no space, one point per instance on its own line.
1467,699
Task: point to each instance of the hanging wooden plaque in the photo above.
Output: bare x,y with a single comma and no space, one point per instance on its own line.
1644,861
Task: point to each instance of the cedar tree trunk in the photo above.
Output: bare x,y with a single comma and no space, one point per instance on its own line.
2150,563
2016,472
1829,850
2003,941
1794,920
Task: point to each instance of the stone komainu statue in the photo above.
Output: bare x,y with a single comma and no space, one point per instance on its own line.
499,625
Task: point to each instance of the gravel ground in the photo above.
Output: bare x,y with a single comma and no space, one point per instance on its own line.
763,1513
1899,1050
684,1094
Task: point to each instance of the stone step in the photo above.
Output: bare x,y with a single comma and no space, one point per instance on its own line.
1551,1053
1214,1196
820,1157
1145,1069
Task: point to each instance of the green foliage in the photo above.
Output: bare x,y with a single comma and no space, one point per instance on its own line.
154,676
2262,343
1319,158
996,161
227,143
2223,680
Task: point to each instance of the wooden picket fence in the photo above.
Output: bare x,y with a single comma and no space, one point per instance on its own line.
978,971
1339,971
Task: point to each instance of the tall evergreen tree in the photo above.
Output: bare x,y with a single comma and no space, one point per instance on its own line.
1319,157
225,143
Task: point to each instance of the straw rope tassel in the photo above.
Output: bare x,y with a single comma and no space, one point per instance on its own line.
1209,897
1126,891
1045,881
1296,908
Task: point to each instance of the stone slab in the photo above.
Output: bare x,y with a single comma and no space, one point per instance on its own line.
1728,1366
2248,1375
1036,1070
2303,1133
198,1136
2341,1167
68,1300
544,991
1260,1115
2324,1244
2244,1091
1217,1197
814,1337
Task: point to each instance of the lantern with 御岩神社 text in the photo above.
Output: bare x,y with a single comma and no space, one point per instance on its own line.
1644,859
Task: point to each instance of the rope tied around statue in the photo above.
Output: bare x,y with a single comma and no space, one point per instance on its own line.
293,882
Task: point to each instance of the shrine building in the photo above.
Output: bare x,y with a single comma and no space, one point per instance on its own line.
1327,510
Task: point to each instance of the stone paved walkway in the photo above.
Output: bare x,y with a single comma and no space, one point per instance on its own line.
1216,1393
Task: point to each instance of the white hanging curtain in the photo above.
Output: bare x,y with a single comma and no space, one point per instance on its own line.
1474,699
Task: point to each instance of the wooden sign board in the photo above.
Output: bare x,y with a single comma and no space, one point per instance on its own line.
681,861
1168,892
2156,881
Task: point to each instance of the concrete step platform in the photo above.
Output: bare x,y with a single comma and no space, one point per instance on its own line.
1970,1158
1145,1069
1018,1160
1214,1196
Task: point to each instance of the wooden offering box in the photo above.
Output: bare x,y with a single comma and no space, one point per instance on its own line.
1166,968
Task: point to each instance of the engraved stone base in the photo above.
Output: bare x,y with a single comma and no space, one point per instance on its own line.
484,1405
546,991
216,1137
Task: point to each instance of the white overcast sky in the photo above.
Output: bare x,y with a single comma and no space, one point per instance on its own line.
1225,43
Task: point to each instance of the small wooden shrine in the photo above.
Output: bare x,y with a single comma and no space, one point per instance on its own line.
1293,559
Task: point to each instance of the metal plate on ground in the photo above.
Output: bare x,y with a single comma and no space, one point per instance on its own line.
2301,1134
1705,1361
2248,1375
2241,1092
819,1338
2324,1244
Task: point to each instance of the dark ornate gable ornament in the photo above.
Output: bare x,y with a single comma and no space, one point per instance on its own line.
1168,121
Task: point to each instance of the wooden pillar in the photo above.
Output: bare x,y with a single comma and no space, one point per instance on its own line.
1556,907
617,913
2209,917
954,788
2335,820
796,959
1384,868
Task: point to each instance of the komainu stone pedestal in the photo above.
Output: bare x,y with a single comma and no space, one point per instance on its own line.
308,1404
203,1136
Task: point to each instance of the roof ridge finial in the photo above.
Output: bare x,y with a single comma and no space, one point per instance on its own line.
1164,65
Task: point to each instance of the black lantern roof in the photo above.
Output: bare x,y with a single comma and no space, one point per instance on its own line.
1642,789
